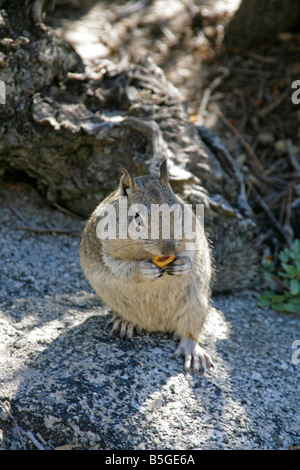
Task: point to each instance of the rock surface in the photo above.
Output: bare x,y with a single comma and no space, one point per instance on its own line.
64,378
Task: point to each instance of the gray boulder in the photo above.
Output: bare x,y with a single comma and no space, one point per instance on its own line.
65,381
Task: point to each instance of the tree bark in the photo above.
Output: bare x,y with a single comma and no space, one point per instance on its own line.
259,21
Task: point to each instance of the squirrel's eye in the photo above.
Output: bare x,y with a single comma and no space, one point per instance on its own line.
138,219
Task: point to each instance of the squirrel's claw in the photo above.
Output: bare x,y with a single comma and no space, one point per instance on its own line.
180,266
194,356
122,327
149,271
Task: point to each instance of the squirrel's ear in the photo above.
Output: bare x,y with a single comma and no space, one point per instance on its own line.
164,175
126,181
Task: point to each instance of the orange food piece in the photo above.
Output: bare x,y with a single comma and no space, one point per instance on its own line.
162,261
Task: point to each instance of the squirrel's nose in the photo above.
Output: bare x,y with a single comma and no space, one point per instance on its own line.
168,247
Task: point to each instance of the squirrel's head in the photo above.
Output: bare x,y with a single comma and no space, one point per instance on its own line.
147,199
147,189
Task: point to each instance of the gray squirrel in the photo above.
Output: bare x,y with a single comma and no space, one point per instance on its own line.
129,275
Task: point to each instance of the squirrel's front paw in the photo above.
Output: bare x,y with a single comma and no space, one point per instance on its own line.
149,271
180,266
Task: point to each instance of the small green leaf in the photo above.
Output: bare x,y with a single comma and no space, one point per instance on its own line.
288,277
294,300
297,246
286,267
294,287
287,251
263,302
283,257
278,307
288,307
282,274
276,299
268,294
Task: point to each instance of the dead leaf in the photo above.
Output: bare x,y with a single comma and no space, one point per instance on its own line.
294,447
65,447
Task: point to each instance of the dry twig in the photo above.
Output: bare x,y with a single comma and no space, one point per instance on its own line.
293,160
47,230
272,218
267,109
234,130
208,91
33,439
9,415
31,228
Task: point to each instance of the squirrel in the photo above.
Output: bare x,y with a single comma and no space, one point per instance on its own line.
144,296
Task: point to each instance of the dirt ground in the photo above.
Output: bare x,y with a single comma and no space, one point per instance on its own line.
244,96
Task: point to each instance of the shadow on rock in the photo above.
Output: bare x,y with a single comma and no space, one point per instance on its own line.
89,388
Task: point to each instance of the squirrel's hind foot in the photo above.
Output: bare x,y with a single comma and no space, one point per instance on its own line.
194,356
121,327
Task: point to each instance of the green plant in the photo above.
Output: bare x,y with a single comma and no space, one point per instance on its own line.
283,293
